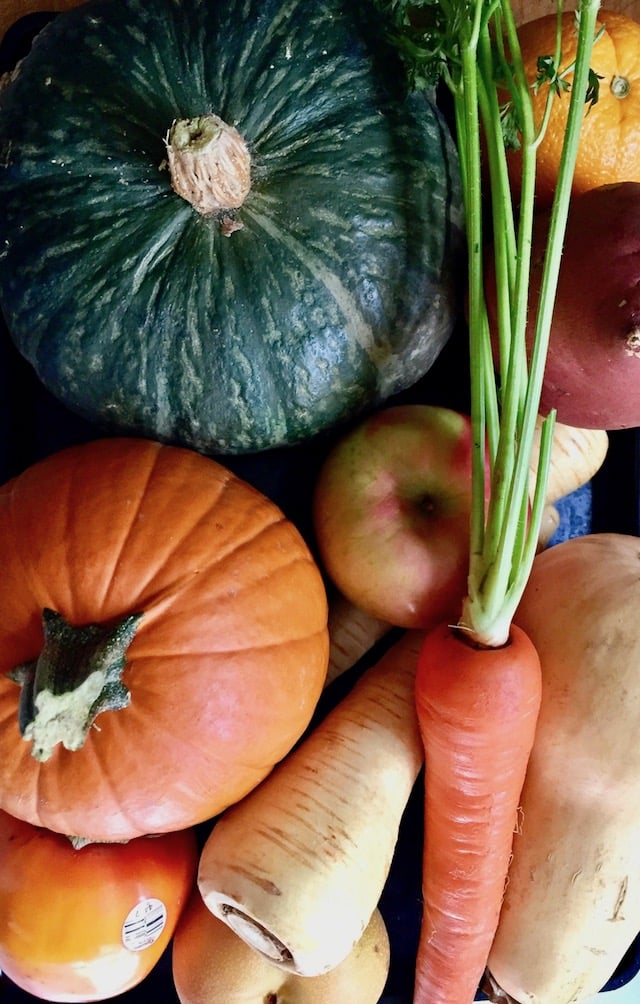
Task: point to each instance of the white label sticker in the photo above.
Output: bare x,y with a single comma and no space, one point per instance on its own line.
144,924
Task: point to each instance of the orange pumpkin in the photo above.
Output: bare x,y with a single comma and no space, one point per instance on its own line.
86,924
609,151
163,639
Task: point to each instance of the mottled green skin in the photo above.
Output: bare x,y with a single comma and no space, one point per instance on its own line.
140,314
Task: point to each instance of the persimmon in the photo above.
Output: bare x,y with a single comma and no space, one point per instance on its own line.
609,149
86,923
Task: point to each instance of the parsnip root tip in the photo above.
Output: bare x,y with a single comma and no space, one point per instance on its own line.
256,935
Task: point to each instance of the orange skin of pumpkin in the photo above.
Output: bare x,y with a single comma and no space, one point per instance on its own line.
227,663
62,910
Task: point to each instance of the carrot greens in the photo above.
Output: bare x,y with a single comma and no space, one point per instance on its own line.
472,47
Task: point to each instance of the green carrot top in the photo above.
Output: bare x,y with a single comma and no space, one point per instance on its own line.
472,46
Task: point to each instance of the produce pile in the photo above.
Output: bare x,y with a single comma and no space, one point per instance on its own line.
340,303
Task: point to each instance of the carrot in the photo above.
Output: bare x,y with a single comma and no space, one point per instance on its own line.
477,709
297,867
478,682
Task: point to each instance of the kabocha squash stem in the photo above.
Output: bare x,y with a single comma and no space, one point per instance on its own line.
75,678
209,163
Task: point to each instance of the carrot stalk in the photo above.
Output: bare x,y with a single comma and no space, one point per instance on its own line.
297,867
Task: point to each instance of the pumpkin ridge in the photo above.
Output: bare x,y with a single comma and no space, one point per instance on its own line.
140,494
49,793
22,553
230,650
38,585
144,494
158,603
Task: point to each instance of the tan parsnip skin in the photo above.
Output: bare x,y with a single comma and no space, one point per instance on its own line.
212,965
352,633
576,455
572,900
297,867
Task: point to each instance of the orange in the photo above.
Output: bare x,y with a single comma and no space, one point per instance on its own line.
609,148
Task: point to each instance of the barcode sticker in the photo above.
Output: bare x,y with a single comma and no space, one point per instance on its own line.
144,924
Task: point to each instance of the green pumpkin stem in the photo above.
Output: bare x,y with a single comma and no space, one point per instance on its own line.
75,678
209,163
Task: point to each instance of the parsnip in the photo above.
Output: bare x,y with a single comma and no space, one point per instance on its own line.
297,867
576,455
352,633
572,901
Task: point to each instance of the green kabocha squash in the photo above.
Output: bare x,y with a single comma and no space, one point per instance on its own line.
224,224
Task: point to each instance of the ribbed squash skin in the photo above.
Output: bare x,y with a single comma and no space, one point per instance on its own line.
142,315
227,663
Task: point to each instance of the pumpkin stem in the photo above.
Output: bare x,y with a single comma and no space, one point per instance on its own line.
209,163
76,677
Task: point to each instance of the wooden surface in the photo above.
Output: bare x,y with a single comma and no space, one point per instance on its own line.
524,10
12,10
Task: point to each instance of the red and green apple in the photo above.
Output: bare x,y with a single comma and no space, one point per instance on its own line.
391,514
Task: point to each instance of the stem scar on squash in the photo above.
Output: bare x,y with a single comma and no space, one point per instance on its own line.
620,87
209,163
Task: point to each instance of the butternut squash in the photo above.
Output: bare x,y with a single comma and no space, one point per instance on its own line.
572,901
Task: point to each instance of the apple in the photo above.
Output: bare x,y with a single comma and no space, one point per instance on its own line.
391,512
213,965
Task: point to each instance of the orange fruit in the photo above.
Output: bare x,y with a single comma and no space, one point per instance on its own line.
609,150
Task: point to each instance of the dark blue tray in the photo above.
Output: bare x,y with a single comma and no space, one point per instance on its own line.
33,425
